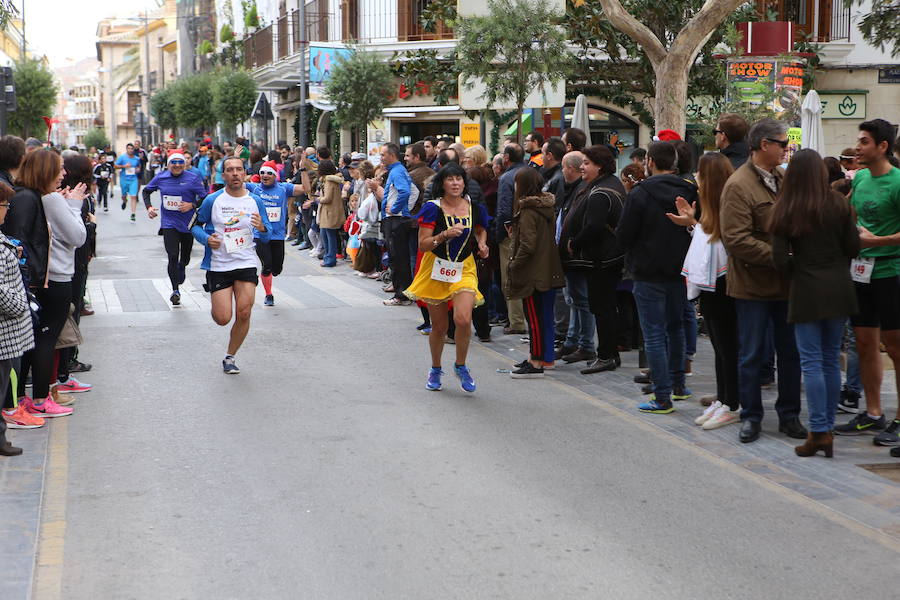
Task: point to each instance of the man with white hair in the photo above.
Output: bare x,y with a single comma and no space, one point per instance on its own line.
181,192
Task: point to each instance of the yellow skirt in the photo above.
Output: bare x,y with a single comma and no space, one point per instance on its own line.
430,291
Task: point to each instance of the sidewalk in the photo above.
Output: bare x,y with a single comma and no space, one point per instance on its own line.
21,490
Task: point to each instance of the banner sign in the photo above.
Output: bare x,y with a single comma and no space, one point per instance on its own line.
470,134
321,61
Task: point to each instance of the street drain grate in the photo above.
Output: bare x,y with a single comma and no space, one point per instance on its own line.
887,470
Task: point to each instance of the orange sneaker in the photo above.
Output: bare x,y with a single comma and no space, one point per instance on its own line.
22,419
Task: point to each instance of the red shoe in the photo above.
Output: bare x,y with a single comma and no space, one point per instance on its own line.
47,408
22,419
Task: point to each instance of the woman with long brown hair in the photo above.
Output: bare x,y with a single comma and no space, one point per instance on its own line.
815,237
705,267
35,208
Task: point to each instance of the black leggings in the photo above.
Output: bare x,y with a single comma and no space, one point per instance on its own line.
178,249
271,255
602,284
55,300
721,322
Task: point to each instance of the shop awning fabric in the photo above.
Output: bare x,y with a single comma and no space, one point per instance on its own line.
526,125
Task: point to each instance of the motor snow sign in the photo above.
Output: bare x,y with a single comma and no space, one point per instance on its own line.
765,79
843,105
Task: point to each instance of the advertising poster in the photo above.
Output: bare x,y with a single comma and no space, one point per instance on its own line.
776,82
321,61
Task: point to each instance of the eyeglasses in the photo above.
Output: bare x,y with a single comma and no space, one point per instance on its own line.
782,143
717,131
4,205
176,162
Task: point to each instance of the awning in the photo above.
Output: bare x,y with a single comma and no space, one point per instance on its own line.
526,125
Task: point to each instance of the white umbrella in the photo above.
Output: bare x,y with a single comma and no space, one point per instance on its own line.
813,136
580,117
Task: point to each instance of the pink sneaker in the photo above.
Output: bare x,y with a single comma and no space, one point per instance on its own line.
47,409
73,386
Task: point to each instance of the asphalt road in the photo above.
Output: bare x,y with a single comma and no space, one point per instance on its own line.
325,470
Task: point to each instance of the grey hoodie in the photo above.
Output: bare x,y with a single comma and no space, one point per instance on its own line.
67,233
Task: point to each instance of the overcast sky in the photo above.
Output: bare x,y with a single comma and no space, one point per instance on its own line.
65,30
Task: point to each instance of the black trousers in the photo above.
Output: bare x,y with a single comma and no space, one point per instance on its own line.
721,322
602,284
79,287
55,300
397,232
178,250
102,192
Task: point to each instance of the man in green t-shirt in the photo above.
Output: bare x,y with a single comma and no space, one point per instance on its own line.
876,200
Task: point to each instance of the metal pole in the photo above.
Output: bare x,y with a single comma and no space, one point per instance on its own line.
24,47
301,134
146,99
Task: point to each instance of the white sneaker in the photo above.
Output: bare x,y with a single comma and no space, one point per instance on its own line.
708,413
723,416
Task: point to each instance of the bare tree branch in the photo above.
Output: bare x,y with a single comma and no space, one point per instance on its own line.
636,30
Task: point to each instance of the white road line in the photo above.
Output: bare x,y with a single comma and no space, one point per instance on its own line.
107,287
343,291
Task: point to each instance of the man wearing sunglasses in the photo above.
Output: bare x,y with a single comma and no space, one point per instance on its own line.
759,290
181,192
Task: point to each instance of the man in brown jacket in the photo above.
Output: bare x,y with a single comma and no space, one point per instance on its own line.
417,166
759,290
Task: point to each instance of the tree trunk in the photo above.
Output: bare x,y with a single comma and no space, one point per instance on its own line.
671,96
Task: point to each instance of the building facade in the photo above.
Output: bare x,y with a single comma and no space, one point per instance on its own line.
852,71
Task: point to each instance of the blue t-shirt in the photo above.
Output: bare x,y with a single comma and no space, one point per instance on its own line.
203,166
187,187
220,179
276,200
132,165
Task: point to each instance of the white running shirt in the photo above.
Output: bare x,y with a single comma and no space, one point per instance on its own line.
231,219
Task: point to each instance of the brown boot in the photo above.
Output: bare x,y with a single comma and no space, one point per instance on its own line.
816,441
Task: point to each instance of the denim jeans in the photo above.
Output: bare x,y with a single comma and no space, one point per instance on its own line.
661,309
754,317
819,343
329,239
581,321
853,382
690,329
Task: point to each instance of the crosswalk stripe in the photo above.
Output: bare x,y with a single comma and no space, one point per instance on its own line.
330,289
343,291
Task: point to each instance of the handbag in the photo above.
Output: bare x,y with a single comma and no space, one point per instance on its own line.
70,335
367,258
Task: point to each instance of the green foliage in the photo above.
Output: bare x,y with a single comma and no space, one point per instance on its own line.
881,27
35,97
226,34
205,47
437,12
162,107
360,88
125,74
96,138
614,67
193,101
515,49
438,74
233,97
251,16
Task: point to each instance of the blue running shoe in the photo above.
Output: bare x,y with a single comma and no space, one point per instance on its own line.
652,405
465,378
682,393
434,380
269,301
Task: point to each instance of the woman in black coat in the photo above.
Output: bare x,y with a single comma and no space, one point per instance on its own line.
815,237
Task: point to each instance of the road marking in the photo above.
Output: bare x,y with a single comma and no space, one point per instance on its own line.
858,527
48,572
343,291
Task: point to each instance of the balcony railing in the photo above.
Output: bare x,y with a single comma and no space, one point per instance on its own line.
840,23
258,48
369,23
